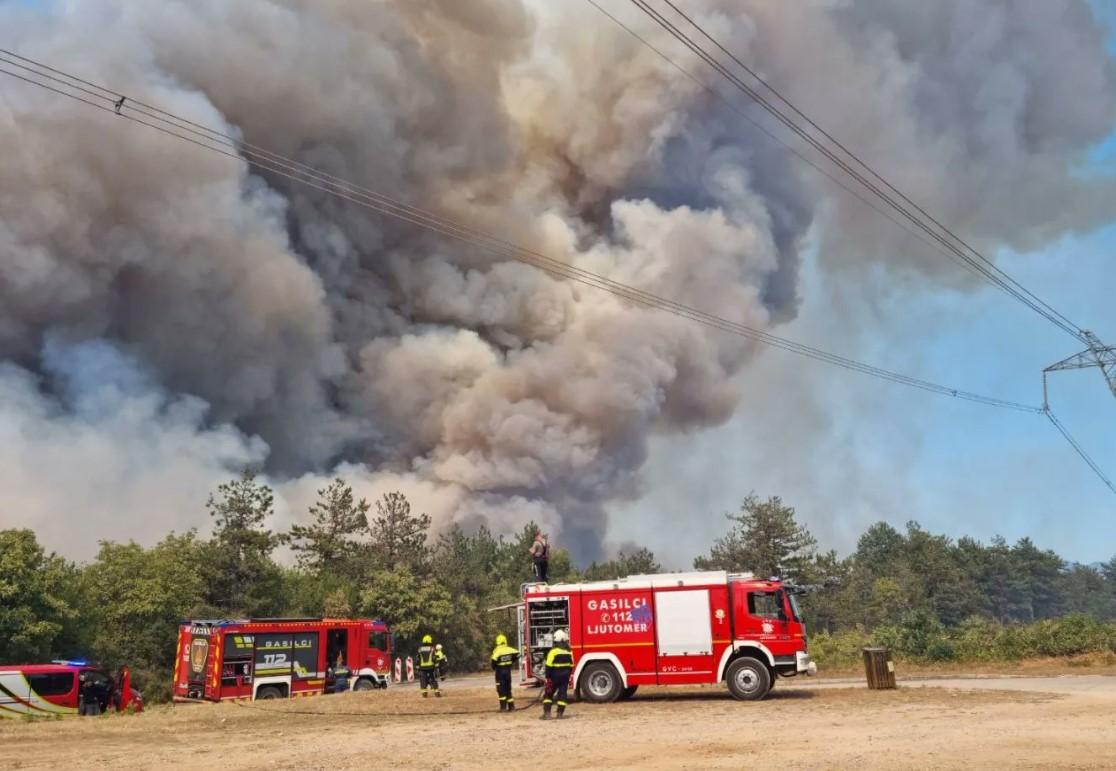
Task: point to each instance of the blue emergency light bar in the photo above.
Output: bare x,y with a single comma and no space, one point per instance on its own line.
71,662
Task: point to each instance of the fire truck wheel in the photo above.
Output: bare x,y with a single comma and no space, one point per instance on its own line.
269,692
600,683
363,684
748,679
629,692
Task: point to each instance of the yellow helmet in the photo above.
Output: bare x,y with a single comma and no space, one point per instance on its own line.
427,639
501,640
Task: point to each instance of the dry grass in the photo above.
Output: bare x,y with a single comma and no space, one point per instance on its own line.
699,727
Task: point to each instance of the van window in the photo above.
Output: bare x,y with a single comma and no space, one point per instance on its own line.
51,684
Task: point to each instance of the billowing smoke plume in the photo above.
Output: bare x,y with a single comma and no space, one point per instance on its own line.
166,315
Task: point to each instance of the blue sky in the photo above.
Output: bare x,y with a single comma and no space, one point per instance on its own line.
847,450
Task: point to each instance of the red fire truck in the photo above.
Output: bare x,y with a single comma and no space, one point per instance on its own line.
64,688
278,658
666,629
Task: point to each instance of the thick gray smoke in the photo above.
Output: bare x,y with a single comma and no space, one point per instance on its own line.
185,316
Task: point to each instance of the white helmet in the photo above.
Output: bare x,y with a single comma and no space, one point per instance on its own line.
561,636
438,647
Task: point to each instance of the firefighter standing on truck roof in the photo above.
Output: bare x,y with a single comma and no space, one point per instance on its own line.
540,554
504,659
559,664
428,667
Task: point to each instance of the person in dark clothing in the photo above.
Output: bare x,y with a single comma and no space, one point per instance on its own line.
341,675
559,665
428,667
540,554
504,660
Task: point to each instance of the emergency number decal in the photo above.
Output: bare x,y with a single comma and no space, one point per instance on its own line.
628,616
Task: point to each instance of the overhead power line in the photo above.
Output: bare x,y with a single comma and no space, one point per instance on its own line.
1079,449
1096,355
107,100
772,136
852,164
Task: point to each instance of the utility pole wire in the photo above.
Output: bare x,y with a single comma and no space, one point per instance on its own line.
940,233
771,135
1079,449
211,139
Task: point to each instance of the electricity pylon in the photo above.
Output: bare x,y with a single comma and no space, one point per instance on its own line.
1096,355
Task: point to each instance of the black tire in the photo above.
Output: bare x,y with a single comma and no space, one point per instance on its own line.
363,684
748,679
628,692
600,683
269,692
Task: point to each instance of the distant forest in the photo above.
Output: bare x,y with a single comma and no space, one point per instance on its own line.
927,596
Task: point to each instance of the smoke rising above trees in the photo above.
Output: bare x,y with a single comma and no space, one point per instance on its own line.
171,308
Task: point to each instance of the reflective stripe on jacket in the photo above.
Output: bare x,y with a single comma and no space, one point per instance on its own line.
504,656
558,659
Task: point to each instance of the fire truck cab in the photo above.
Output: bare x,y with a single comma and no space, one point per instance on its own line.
278,658
667,629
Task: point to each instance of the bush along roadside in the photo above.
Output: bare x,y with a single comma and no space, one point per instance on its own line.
921,638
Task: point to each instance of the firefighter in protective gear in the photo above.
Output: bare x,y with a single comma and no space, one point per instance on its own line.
504,659
428,667
341,675
440,661
559,666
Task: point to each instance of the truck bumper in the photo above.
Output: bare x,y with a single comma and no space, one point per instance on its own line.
803,665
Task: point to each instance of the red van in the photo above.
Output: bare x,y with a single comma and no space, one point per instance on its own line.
64,688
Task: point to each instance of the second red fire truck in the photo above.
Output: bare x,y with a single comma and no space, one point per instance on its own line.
668,629
278,658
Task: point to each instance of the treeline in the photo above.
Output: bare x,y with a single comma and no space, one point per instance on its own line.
351,559
925,594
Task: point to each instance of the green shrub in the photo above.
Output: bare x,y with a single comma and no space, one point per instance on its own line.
840,650
977,639
1071,635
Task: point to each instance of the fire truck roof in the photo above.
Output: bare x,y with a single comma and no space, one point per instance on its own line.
223,622
655,580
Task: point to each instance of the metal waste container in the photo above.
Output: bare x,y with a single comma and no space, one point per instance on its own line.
879,669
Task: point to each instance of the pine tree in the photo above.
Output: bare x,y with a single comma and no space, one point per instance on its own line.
241,575
399,537
766,540
327,543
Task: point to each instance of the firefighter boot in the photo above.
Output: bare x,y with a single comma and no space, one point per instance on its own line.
438,693
425,694
511,705
546,712
503,705
561,709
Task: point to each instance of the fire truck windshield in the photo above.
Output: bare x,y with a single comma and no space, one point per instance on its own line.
794,607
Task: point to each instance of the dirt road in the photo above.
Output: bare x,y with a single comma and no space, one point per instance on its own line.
1047,722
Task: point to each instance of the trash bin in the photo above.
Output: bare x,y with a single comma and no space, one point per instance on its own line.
879,669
